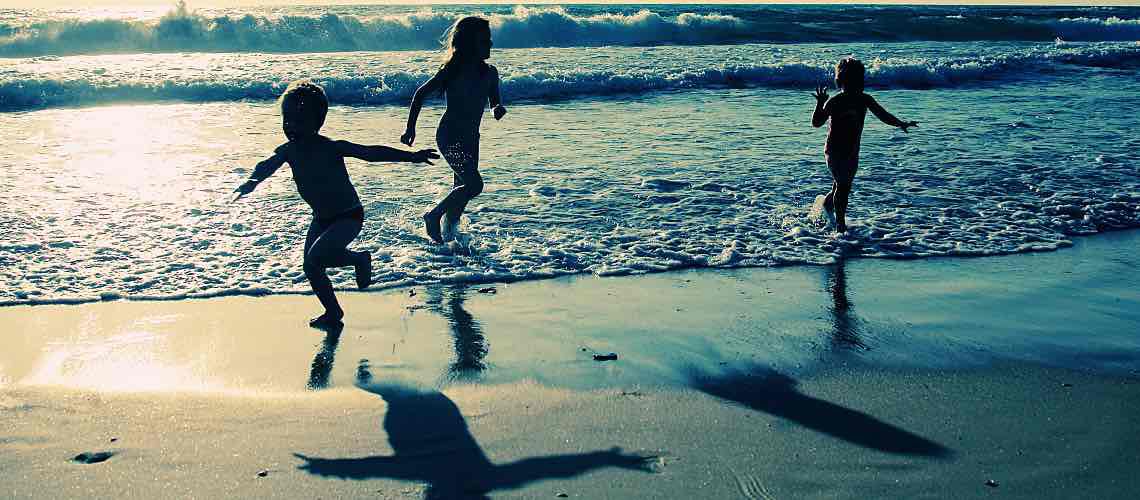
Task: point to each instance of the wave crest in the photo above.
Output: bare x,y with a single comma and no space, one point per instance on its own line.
396,87
185,31
1086,29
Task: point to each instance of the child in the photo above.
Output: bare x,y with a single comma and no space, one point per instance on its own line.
847,111
469,83
322,181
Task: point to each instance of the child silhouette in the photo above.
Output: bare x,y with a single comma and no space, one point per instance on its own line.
323,182
468,83
846,111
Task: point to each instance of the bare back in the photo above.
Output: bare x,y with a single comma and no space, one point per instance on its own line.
845,131
467,91
321,177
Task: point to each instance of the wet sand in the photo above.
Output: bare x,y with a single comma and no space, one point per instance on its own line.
873,379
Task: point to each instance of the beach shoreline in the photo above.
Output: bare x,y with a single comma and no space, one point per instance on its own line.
640,299
916,379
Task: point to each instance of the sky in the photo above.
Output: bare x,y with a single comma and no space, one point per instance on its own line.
217,3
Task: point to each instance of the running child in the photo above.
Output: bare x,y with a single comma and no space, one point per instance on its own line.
847,111
469,84
322,181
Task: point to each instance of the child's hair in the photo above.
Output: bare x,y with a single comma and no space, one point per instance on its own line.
849,74
459,41
305,104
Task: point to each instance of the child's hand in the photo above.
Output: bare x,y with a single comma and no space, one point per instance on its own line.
409,137
245,188
907,125
423,155
499,111
820,94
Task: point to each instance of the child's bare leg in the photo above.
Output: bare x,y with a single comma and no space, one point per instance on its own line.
829,199
842,194
451,215
456,201
448,204
328,249
463,157
843,173
470,185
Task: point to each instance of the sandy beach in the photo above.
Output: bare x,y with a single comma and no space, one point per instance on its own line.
622,288
873,379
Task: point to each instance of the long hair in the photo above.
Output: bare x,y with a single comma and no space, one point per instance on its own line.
850,74
460,39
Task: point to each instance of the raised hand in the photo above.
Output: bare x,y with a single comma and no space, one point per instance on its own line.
906,125
409,137
820,94
631,461
424,155
499,111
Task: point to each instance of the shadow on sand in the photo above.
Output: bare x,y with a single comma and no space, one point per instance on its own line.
432,444
763,389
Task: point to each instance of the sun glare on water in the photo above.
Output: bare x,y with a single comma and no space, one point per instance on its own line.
121,150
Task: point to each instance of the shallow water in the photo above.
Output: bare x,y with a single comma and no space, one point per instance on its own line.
1077,308
613,160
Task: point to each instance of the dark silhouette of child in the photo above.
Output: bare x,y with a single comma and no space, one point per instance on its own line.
469,84
846,110
323,182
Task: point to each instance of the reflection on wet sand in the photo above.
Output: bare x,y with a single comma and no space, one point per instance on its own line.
470,345
323,361
845,332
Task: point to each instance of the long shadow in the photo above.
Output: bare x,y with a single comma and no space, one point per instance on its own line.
432,444
470,344
323,361
763,389
844,323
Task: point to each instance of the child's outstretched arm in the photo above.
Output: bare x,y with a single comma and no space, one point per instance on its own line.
262,171
885,116
433,85
822,112
496,99
385,153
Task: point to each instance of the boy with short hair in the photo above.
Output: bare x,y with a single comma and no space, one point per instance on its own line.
322,181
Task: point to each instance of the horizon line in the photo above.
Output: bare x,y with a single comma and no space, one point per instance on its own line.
50,4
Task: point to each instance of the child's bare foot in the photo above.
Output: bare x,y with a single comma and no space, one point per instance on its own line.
431,225
328,322
364,271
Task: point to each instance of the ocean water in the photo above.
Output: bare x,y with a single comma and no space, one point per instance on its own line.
639,139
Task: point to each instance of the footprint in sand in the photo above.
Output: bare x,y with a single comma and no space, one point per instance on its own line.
751,487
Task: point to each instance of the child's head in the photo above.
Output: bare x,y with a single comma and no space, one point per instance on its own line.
303,109
849,75
468,40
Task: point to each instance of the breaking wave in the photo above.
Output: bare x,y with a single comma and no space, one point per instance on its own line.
396,87
183,30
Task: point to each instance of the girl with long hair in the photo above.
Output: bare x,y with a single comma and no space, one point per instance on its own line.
469,84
